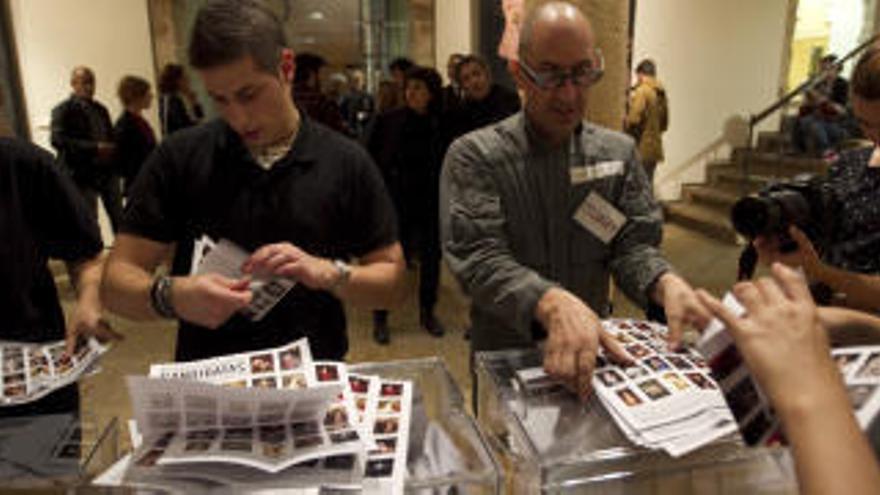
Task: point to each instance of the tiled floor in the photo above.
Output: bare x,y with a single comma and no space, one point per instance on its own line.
706,263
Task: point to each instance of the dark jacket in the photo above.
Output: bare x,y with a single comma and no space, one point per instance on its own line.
470,115
134,140
77,127
173,114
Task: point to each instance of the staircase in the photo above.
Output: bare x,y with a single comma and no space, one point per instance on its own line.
705,207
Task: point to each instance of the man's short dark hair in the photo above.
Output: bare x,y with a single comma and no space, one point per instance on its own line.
131,89
227,30
472,59
647,67
402,64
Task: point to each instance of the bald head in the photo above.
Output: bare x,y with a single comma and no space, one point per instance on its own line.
552,20
82,80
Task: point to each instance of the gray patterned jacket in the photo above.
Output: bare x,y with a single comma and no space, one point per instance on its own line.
508,232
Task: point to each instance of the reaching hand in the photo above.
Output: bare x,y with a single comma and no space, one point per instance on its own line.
780,336
574,334
804,256
209,300
286,260
86,321
682,306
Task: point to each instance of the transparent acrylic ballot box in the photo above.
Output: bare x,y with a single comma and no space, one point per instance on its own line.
441,429
553,444
42,454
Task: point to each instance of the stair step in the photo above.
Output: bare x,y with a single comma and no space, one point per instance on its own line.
719,198
731,181
702,219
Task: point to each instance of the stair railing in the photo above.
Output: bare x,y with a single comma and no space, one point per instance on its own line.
755,119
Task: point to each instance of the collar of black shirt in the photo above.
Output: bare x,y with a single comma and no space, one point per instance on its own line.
305,149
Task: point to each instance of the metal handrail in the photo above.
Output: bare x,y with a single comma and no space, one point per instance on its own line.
755,119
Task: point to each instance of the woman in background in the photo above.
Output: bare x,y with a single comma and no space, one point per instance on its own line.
132,134
178,106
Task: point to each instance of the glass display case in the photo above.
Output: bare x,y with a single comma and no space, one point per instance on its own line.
54,451
447,452
549,442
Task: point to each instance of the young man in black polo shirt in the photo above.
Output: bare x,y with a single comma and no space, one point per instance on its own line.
299,196
43,216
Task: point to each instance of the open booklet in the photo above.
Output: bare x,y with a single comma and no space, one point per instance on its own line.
233,420
32,371
859,366
664,400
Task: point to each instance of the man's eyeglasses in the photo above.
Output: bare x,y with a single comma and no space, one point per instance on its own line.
583,75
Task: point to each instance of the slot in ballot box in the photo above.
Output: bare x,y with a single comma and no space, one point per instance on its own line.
549,442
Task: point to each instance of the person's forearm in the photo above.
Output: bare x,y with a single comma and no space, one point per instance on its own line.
86,278
831,453
378,285
862,291
126,290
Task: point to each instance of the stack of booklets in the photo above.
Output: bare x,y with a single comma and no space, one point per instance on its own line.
664,399
268,420
33,371
859,367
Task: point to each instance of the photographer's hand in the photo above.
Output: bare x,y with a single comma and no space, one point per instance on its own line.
804,256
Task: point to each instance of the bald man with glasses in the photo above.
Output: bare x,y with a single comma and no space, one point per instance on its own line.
539,210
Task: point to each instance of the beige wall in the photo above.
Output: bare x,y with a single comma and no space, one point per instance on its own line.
720,61
453,21
110,36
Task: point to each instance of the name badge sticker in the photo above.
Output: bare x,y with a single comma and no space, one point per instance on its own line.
586,173
599,217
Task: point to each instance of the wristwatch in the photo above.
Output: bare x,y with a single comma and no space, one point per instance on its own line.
344,270
160,297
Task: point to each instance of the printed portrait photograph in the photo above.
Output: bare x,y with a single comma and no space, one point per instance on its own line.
236,445
238,433
265,382
700,380
273,450
262,363
13,379
656,363
200,402
653,389
859,394
343,462
164,421
336,418
680,362
361,404
389,406
197,420
628,397
609,377
379,468
15,391
386,425
306,442
305,428
290,359
358,385
344,436
327,372
638,351
294,381
236,420
391,389
202,434
273,433
197,446
635,371
236,384
386,445
676,381
742,398
871,368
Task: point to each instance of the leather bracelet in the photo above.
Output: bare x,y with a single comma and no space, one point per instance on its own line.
160,297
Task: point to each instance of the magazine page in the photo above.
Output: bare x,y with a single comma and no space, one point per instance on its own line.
860,367
269,429
32,371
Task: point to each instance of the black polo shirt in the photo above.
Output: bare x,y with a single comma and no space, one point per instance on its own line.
42,216
325,196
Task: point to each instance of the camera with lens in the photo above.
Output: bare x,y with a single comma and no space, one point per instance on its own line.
805,201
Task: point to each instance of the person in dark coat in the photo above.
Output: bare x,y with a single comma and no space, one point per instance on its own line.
484,102
308,96
404,143
132,133
178,106
82,133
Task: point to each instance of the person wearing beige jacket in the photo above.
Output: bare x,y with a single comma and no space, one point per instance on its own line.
648,116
